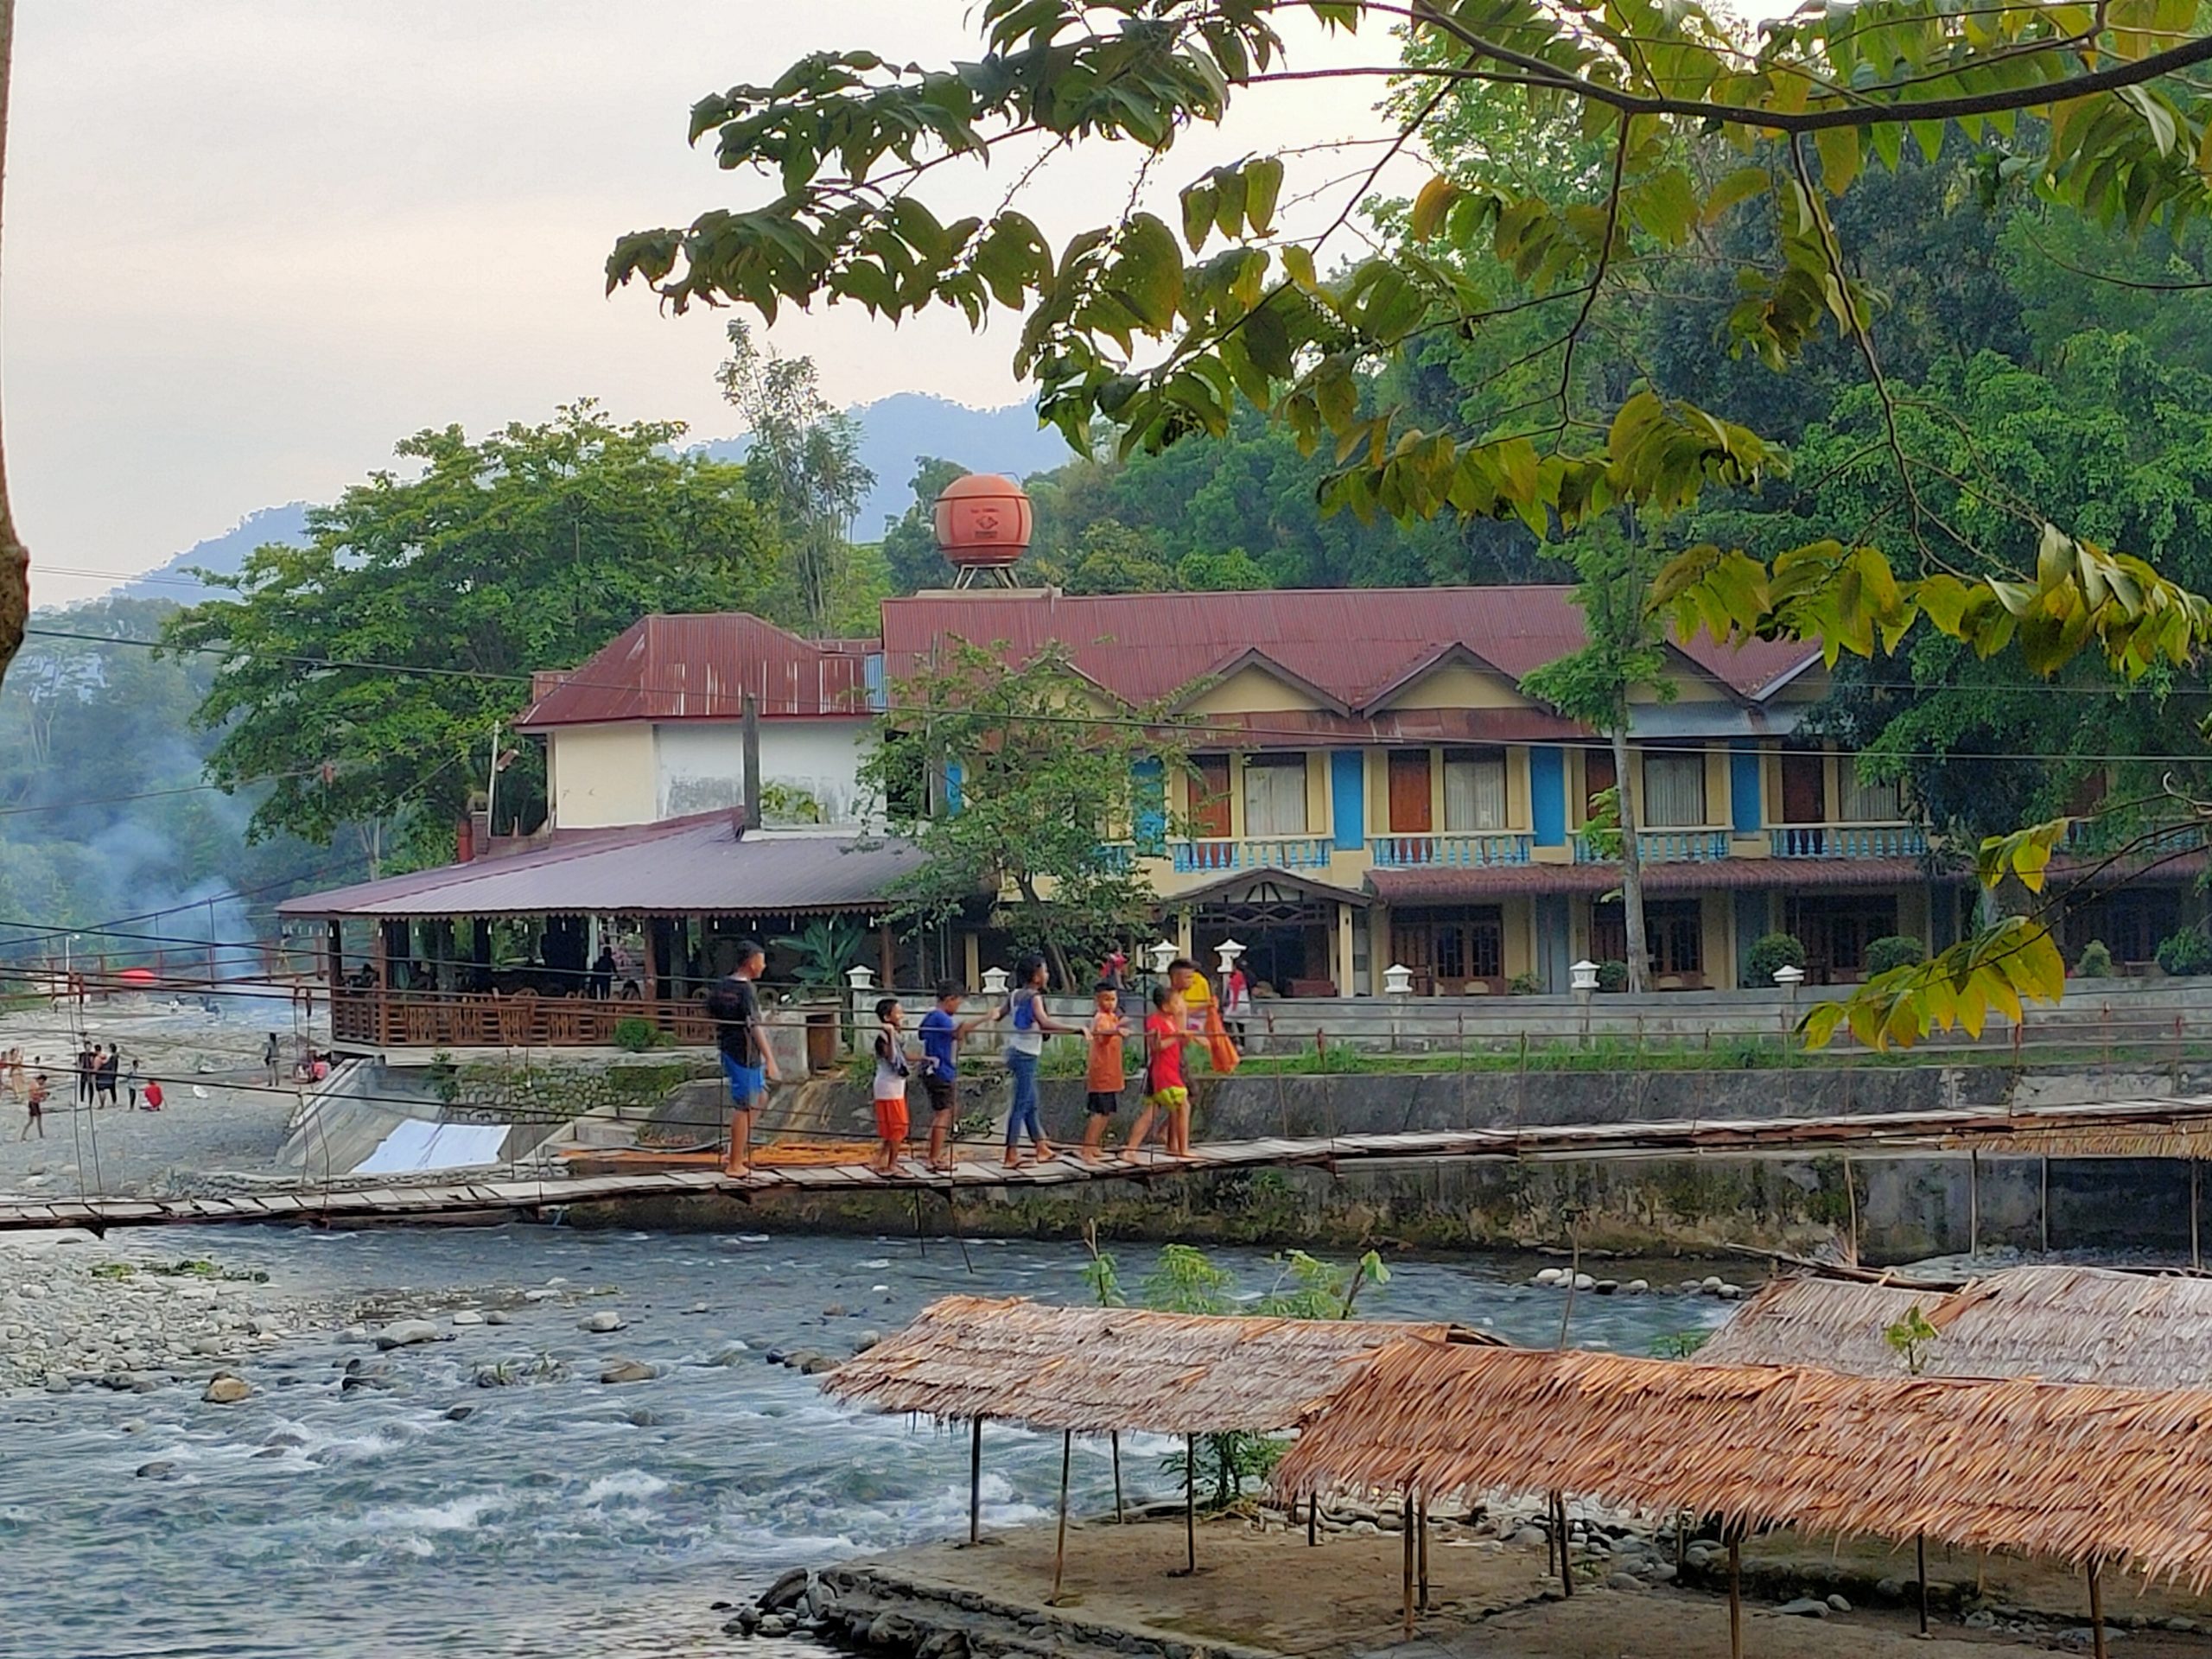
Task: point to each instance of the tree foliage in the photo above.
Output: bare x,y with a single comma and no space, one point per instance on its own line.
1017,783
359,677
1701,127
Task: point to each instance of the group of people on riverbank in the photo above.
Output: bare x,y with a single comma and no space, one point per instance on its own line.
1185,1014
100,1074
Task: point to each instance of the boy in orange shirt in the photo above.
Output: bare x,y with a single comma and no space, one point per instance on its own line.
1103,1079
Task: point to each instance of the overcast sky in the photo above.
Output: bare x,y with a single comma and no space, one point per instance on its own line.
251,242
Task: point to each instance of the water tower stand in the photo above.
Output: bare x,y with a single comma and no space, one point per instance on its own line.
983,575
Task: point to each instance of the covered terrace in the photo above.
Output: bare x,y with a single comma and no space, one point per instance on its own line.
506,950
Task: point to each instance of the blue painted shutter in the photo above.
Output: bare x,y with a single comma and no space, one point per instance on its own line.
952,786
1348,798
1547,793
1744,810
1150,790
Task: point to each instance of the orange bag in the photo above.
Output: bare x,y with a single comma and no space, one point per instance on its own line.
1219,1049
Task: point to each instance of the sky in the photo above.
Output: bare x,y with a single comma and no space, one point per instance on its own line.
251,243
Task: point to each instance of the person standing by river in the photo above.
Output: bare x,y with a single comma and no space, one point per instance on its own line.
733,1004
35,1103
1025,1048
268,1060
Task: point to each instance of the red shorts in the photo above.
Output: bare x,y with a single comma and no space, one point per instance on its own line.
890,1119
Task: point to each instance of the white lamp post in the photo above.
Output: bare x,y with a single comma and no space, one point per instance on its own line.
1397,980
1790,976
1582,980
1161,955
995,981
1228,951
862,980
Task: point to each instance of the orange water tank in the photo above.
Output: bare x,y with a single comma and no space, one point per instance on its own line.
983,521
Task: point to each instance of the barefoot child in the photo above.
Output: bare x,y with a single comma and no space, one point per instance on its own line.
1165,1090
941,1031
1103,1078
1025,1048
892,1067
34,1101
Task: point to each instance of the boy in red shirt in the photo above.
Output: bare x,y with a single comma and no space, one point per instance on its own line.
1166,1035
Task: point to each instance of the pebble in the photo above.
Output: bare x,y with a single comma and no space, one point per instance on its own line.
1636,1287
227,1391
499,1316
160,1469
629,1370
468,1316
601,1322
405,1333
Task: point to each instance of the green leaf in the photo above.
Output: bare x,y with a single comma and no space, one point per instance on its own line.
1262,185
1200,202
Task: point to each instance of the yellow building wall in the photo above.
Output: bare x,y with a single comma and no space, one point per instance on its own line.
1458,685
1250,690
602,775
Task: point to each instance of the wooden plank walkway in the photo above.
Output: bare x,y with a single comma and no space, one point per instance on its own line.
2110,1123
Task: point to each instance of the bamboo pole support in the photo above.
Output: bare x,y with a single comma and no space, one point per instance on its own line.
1973,1201
1190,1503
1120,1518
1919,1563
2096,1611
1735,1598
1060,1548
975,1484
1405,1534
1422,1557
1312,1520
1851,1211
2044,1210
2196,1254
1565,1560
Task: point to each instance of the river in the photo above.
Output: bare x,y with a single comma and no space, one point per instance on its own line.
566,1518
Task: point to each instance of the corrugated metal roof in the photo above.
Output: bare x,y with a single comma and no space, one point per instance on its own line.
1353,644
688,866
1705,875
700,668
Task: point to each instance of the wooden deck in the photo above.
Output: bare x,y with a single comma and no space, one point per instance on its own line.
2113,1124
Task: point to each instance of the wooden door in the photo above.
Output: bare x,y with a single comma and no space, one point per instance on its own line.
1209,795
1596,777
1804,788
1410,805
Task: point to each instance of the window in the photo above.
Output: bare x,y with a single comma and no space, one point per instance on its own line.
1275,795
1674,791
1865,803
1446,948
1674,934
1210,795
1474,789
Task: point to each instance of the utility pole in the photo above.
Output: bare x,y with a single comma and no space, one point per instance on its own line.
492,788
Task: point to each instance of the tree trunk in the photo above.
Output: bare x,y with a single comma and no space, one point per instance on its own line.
15,558
1631,855
1055,957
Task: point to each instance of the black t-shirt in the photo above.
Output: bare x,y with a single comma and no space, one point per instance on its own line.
734,1007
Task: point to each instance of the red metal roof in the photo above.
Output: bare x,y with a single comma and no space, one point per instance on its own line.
1354,645
1423,886
696,865
700,668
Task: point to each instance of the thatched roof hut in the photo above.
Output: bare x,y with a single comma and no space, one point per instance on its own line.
2075,1472
2061,1324
1098,1369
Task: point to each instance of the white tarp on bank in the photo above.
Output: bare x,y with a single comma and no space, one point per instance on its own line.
417,1146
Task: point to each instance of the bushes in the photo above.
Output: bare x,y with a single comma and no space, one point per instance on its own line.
1769,952
1896,951
2186,952
2095,961
1612,976
1525,985
634,1034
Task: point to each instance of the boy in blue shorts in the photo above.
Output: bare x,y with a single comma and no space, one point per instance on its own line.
734,1005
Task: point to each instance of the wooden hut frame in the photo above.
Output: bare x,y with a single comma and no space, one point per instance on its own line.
2079,1473
1106,1370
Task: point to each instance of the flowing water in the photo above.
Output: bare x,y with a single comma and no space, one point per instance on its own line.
565,1518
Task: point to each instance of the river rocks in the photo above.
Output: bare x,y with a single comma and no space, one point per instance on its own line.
600,1323
1623,1581
459,1413
785,1593
160,1469
499,1316
730,1353
1839,1604
629,1370
405,1333
1804,1607
227,1391
468,1316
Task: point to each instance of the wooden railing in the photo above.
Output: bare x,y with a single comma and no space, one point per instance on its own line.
469,1020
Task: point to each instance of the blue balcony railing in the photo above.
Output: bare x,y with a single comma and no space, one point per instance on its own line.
1448,852
1250,853
1847,841
1664,847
